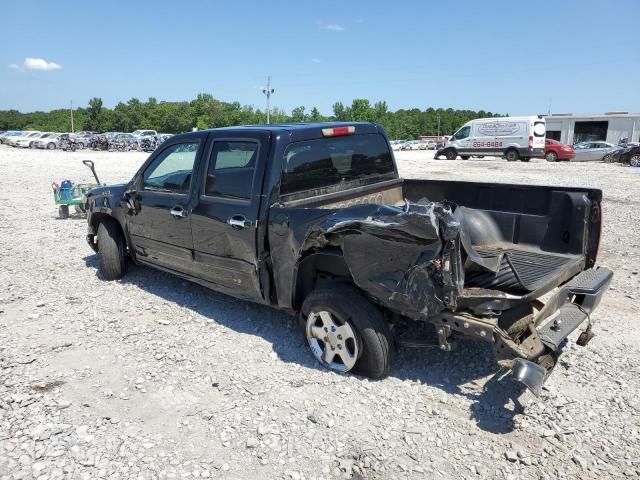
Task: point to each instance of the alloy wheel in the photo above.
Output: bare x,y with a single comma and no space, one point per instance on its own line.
332,341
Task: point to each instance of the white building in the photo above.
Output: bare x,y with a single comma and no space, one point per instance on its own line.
609,127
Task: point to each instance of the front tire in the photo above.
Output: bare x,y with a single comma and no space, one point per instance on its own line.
634,161
450,154
346,332
551,157
51,146
111,248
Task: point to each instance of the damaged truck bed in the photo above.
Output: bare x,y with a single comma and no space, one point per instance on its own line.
312,218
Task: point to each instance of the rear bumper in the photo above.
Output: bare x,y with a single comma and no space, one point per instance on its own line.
531,152
569,308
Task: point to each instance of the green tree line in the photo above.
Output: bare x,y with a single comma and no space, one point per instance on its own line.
207,112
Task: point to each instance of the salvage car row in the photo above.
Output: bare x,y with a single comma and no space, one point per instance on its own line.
141,140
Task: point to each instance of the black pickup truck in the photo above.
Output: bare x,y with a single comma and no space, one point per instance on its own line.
313,219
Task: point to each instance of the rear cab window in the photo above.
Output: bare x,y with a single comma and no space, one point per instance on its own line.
327,165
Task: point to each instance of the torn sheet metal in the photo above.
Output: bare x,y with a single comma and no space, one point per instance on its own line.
408,258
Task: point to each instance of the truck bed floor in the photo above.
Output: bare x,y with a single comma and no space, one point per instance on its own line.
523,271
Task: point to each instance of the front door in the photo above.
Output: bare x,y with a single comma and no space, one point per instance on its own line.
463,140
161,229
224,222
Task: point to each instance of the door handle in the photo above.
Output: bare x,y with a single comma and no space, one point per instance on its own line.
238,221
178,212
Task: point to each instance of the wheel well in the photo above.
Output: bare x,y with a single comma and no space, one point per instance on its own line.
317,268
99,217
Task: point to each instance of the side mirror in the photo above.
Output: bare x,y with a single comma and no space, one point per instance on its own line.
131,199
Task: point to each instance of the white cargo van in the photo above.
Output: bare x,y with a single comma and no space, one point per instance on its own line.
512,137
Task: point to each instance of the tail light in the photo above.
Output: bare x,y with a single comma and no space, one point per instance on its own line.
338,131
530,141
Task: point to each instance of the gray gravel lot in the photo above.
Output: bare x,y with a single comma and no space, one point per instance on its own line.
154,377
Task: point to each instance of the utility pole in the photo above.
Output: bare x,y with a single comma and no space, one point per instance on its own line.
268,91
71,110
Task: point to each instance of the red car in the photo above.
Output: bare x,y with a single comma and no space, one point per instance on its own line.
554,151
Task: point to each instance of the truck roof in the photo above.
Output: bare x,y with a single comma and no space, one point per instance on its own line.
296,131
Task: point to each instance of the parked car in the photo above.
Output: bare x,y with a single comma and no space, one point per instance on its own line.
629,155
69,141
218,206
29,142
512,137
124,142
144,133
555,151
397,144
10,133
592,151
83,139
616,153
48,141
26,137
412,145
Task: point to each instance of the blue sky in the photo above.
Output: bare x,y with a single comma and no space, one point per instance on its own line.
502,56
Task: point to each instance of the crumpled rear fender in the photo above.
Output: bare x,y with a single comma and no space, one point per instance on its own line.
406,258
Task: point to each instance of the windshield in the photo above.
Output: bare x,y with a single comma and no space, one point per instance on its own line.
336,162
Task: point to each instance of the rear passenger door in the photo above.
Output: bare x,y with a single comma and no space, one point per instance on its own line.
225,220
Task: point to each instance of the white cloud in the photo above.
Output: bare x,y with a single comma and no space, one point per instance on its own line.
330,26
316,60
35,64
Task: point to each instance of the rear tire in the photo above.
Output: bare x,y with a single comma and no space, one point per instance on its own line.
551,157
464,157
111,249
511,155
51,146
345,305
63,212
525,159
634,161
450,154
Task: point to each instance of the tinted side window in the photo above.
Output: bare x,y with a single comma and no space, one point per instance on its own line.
171,170
231,169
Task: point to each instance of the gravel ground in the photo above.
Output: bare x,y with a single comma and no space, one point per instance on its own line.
154,377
